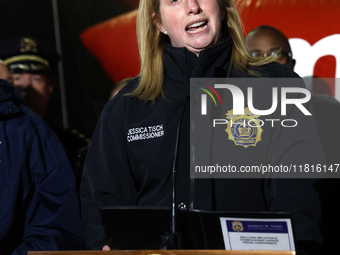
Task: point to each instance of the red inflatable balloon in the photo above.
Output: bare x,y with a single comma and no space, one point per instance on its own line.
114,44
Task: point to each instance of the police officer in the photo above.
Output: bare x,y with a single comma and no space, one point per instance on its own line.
32,63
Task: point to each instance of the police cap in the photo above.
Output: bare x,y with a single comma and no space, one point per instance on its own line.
29,55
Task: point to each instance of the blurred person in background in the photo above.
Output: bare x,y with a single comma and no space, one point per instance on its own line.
117,87
38,199
267,41
33,63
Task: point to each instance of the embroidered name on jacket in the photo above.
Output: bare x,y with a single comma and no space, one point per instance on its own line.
143,133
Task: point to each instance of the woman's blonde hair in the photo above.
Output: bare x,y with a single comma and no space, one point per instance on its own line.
151,44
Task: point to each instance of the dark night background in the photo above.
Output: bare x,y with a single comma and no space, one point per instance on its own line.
87,86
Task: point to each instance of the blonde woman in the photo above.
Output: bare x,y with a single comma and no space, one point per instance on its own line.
131,156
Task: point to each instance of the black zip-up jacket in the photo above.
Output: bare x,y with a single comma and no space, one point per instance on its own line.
123,170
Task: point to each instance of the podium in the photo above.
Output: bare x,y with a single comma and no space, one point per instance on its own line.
165,252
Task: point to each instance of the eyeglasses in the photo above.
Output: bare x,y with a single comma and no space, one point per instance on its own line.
283,56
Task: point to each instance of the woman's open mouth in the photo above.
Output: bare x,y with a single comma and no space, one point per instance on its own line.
197,27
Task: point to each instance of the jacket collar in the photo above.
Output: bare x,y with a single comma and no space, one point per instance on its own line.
212,62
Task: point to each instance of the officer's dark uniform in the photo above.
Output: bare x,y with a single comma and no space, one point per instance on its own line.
37,56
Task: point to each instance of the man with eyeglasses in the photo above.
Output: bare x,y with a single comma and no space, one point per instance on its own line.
264,41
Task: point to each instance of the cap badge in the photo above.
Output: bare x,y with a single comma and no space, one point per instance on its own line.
28,45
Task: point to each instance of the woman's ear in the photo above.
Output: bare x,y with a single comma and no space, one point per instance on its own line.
158,24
